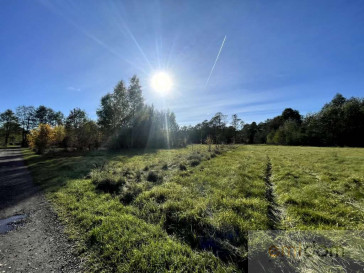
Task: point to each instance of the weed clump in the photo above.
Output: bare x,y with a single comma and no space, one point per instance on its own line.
106,181
127,172
138,176
195,156
165,167
160,198
109,184
154,177
195,162
182,167
130,194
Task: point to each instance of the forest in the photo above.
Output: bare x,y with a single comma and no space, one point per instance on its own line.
126,121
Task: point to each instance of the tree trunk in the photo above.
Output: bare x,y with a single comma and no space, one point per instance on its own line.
24,139
6,139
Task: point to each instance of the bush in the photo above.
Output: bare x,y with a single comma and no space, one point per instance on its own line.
182,167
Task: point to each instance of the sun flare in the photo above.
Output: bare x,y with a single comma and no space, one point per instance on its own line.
162,82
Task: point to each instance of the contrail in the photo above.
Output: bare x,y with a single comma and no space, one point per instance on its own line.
217,57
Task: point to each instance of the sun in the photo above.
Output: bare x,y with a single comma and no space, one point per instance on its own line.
162,82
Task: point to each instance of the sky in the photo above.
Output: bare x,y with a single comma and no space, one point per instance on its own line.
277,54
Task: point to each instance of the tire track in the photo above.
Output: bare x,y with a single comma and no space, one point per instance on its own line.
273,211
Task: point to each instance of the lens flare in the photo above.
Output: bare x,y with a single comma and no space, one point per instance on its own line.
161,82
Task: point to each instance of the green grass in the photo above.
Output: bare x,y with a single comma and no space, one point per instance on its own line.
189,210
8,146
320,188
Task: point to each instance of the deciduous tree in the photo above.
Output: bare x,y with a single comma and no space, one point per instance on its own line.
27,121
9,122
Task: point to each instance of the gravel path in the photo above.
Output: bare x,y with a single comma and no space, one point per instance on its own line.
36,242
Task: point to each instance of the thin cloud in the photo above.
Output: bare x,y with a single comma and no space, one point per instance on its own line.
72,88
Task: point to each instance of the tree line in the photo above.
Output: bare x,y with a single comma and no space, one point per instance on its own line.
125,121
339,123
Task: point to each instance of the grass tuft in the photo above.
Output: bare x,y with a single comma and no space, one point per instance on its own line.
153,176
194,162
109,185
130,193
182,167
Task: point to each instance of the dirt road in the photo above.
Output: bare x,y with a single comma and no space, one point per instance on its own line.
31,236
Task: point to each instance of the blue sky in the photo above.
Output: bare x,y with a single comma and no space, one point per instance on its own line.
277,54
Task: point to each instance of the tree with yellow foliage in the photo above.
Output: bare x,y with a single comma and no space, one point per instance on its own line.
41,138
59,134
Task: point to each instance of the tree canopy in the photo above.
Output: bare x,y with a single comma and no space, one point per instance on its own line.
125,121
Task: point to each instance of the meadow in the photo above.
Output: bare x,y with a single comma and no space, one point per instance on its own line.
190,209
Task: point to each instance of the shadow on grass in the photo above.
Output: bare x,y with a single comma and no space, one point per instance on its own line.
52,170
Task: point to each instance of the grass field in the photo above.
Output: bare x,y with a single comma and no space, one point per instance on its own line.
190,210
